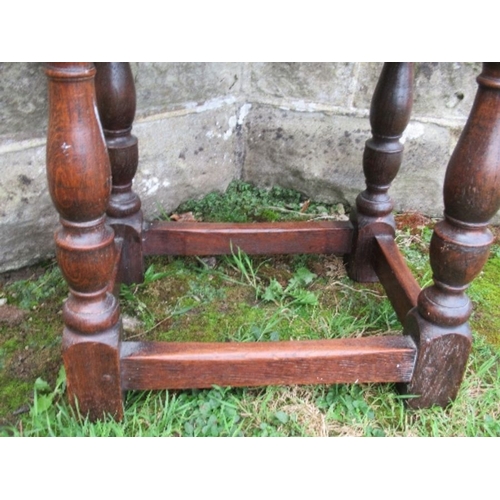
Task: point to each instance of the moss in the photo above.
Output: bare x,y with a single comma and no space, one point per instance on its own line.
31,349
485,294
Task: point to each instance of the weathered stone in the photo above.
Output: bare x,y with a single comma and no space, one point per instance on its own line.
27,218
23,94
169,86
321,155
201,125
331,83
443,91
312,152
188,156
419,184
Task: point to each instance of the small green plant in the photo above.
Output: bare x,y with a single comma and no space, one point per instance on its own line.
295,291
242,263
216,413
44,396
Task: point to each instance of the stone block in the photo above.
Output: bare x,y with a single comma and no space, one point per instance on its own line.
27,218
443,91
179,85
23,94
188,156
331,83
201,125
321,155
315,153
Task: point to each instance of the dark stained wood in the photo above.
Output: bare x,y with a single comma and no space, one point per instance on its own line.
401,287
190,238
389,115
79,180
161,365
93,372
116,101
459,249
440,364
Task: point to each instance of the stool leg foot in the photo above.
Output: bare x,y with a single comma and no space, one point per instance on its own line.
92,367
442,358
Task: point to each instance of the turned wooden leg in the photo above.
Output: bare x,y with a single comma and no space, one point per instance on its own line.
116,102
79,181
459,249
389,116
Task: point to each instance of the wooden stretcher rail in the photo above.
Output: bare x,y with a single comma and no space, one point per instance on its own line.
397,280
163,365
189,238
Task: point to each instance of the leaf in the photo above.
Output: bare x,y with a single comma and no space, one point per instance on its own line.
256,332
304,298
273,292
281,416
41,404
41,385
44,402
61,377
303,276
150,275
274,336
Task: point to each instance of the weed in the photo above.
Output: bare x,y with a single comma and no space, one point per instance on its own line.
294,291
242,263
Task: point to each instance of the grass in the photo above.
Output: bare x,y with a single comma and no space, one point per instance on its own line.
243,298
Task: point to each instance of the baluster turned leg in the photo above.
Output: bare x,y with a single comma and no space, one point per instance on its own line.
389,116
79,182
459,249
116,101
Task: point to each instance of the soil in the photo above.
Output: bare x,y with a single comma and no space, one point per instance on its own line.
414,221
11,315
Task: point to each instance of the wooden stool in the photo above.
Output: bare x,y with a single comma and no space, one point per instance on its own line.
103,240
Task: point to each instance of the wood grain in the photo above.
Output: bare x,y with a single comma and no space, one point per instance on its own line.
401,287
162,365
187,238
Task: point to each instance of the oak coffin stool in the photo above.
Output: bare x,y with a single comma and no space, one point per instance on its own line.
92,158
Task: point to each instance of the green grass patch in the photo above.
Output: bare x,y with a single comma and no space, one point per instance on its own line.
246,299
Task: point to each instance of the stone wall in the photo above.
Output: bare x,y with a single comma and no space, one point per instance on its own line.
201,125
